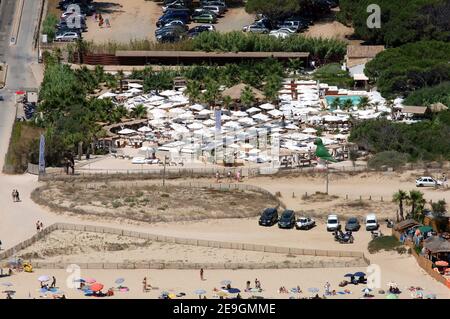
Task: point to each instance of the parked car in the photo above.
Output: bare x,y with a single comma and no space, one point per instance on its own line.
67,36
195,31
287,219
205,18
177,22
170,28
333,223
427,181
371,222
64,26
218,10
305,223
174,6
269,217
352,224
255,28
279,34
294,24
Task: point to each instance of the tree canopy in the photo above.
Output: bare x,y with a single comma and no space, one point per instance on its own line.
410,67
402,21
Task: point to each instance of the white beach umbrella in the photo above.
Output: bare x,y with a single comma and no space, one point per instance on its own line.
144,129
135,85
253,110
209,122
309,130
126,131
291,127
168,93
239,114
107,95
197,107
275,113
205,112
134,91
254,151
195,126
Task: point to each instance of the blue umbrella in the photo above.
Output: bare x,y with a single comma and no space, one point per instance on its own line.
233,291
359,274
313,290
349,275
200,292
119,281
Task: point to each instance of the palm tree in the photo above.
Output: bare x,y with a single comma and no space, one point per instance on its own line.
247,96
439,208
193,91
363,102
399,198
212,92
348,104
120,77
227,100
272,87
139,111
335,104
417,202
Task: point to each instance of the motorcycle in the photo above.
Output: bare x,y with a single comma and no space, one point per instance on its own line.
344,238
390,223
376,234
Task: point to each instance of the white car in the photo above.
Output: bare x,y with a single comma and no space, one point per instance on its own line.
333,223
427,181
305,223
371,222
67,36
279,34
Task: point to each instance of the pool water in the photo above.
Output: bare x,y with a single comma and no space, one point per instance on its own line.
356,99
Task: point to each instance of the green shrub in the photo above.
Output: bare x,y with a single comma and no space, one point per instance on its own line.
49,26
384,243
388,158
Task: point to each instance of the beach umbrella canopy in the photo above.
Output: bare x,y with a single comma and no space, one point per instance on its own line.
233,291
126,131
313,290
144,129
90,280
366,290
225,282
359,274
200,292
171,296
119,281
96,287
254,290
349,275
43,278
309,130
391,296
135,85
425,229
7,284
441,263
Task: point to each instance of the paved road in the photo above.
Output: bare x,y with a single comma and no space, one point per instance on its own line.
19,57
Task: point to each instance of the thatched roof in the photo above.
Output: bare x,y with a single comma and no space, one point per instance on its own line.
415,109
438,107
407,223
235,92
437,244
363,51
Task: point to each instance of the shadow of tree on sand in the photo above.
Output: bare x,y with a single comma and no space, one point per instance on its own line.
108,7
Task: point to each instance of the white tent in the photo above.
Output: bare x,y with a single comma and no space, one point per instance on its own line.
195,126
267,106
253,110
134,91
168,93
309,130
197,107
291,127
260,117
275,113
239,114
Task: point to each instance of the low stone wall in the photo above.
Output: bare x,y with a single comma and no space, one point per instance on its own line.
359,259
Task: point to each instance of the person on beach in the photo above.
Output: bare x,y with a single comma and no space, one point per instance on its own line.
42,226
17,196
327,288
247,286
230,179
217,177
13,194
201,274
53,284
38,226
108,25
0,245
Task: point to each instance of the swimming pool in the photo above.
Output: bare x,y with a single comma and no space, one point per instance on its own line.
356,99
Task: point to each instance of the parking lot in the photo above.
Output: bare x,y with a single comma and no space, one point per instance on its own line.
136,19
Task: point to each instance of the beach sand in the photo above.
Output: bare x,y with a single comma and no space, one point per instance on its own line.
402,270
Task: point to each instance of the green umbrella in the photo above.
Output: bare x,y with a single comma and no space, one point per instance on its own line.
391,296
425,229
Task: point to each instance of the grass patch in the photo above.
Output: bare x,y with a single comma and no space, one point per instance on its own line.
22,136
333,75
388,243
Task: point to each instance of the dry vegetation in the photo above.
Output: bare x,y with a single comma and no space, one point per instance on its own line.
149,203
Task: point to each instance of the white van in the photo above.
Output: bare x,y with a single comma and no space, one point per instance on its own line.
333,223
371,222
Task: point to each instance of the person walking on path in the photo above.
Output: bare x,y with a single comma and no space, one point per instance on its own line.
17,196
108,25
1,246
42,226
53,285
13,194
217,177
201,274
38,226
